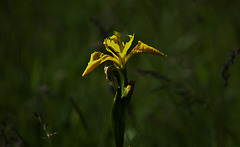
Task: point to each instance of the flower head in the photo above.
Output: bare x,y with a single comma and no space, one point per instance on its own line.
119,50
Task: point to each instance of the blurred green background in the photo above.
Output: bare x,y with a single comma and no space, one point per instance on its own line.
178,101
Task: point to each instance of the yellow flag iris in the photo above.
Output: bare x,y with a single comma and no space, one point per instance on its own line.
119,50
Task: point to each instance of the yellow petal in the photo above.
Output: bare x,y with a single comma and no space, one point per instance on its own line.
144,48
114,42
96,59
110,50
114,46
128,44
117,39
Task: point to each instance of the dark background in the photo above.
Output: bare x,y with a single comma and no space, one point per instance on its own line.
178,101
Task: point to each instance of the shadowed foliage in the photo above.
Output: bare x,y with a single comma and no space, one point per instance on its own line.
178,101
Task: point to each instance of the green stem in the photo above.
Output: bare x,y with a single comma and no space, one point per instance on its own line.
118,119
119,107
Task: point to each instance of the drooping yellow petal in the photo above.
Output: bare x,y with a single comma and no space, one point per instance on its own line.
96,59
127,45
144,48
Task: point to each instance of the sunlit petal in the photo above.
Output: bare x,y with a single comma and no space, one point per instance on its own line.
110,50
96,59
144,48
128,44
117,39
114,46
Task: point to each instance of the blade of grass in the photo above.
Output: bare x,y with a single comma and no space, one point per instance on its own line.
80,114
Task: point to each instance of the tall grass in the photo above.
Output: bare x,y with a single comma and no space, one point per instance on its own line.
45,45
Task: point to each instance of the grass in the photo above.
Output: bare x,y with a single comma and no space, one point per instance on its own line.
45,47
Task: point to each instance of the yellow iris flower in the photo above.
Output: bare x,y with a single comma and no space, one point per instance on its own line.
119,50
